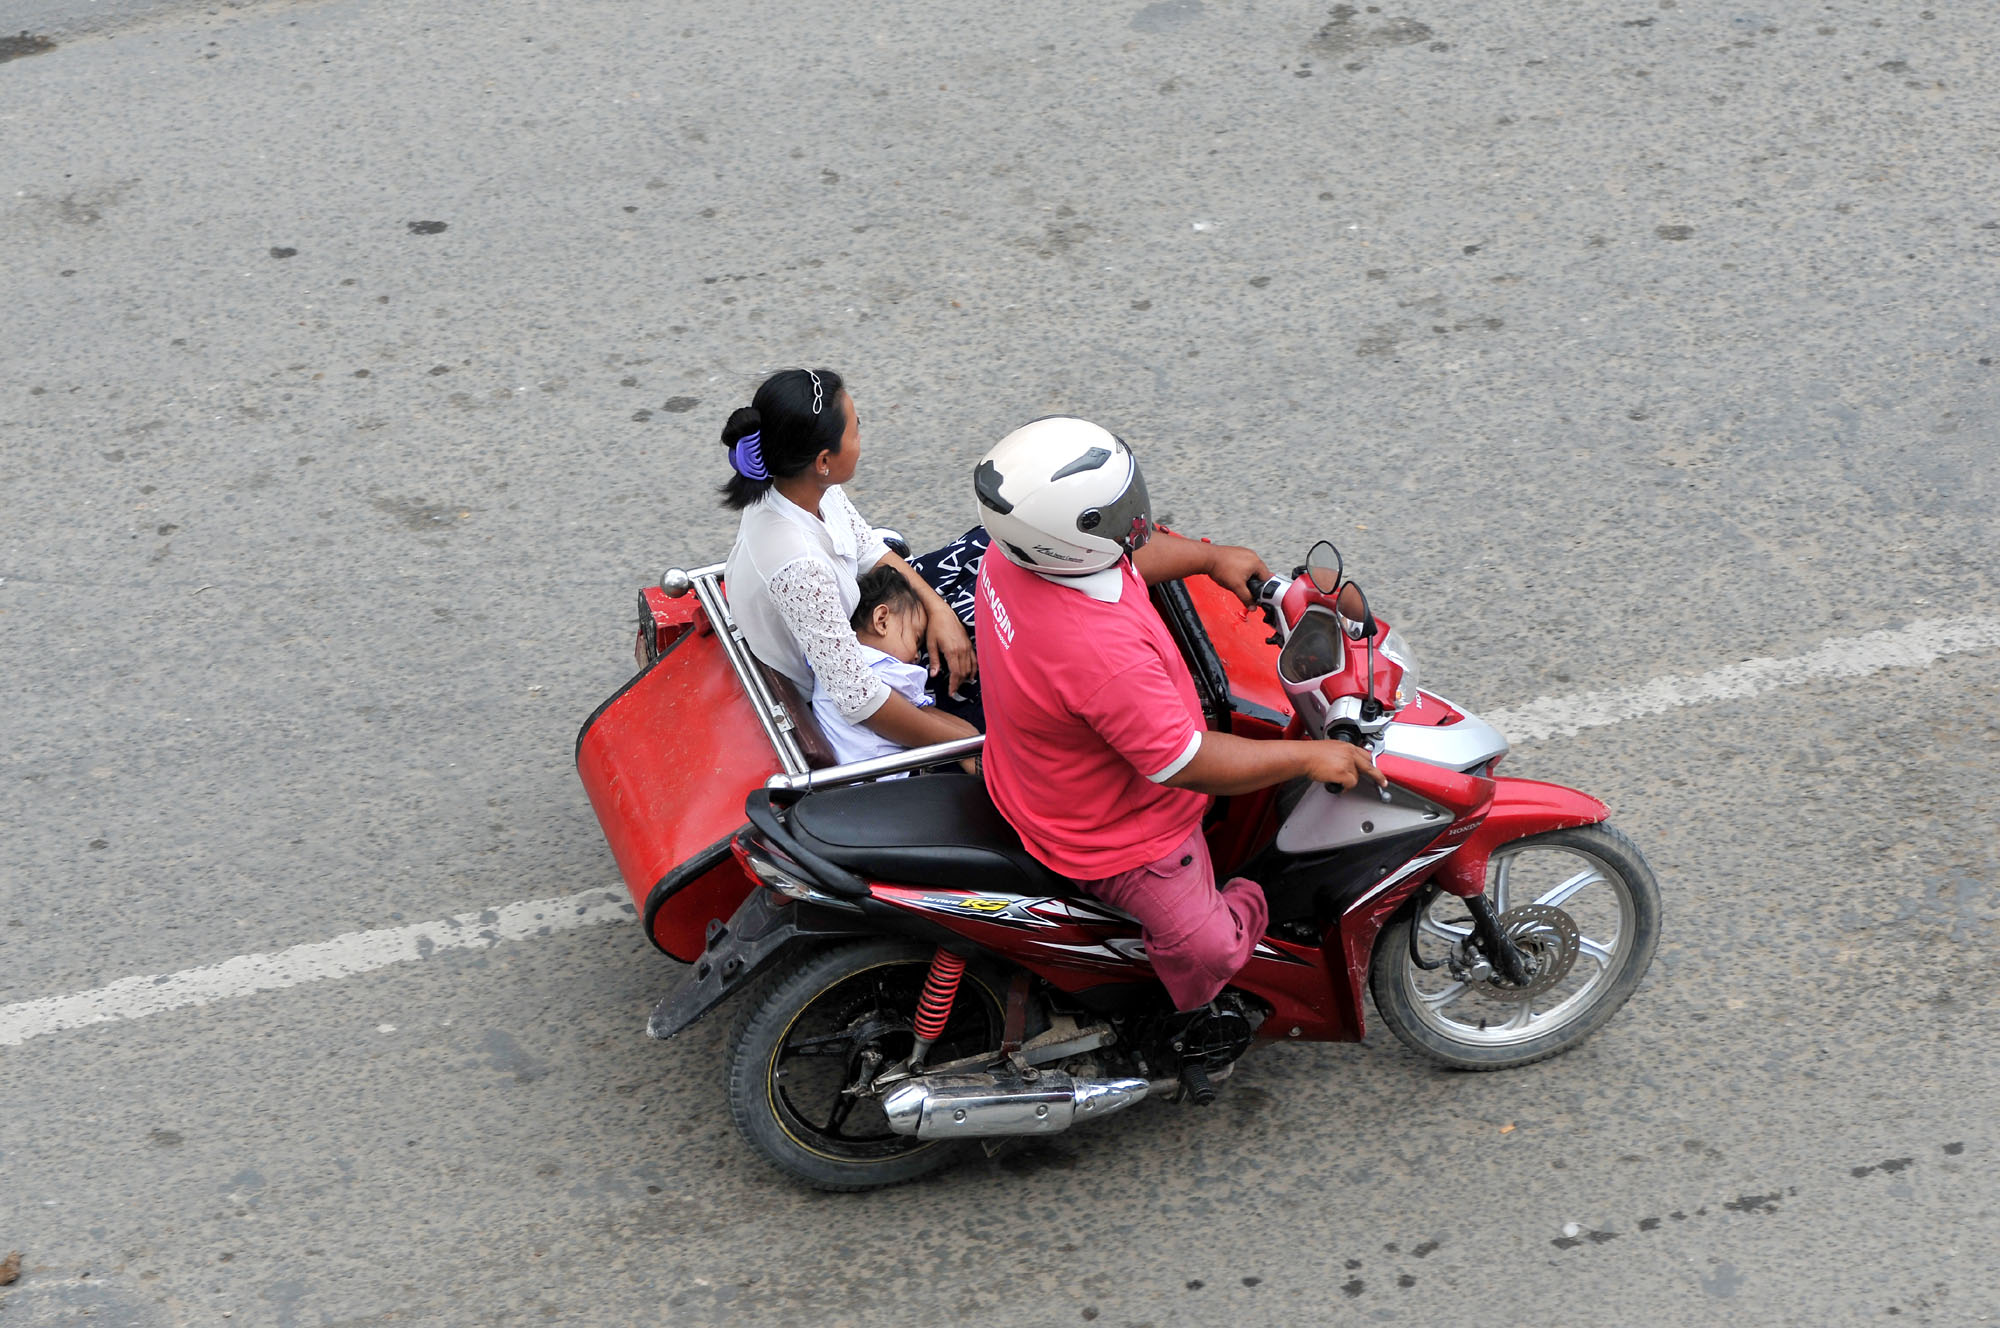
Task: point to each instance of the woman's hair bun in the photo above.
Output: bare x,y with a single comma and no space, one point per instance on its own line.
797,414
743,420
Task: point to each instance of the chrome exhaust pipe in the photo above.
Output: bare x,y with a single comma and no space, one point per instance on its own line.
981,1106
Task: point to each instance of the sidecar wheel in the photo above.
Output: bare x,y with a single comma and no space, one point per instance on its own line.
1584,904
806,1035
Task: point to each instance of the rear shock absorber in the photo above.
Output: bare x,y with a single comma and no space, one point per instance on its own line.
934,1009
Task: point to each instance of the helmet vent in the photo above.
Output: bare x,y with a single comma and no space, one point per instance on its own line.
1090,460
986,482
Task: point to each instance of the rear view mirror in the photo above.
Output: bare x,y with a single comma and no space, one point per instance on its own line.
1323,567
1353,606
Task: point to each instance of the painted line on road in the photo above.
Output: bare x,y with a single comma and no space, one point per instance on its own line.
318,961
1915,646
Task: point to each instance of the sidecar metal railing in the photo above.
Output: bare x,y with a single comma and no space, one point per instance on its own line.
916,758
776,720
706,583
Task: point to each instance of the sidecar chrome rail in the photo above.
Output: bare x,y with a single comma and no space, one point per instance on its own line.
771,712
916,758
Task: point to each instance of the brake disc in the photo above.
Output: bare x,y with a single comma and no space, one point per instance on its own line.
1548,938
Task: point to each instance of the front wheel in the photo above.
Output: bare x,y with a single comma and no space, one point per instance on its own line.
814,1036
1582,906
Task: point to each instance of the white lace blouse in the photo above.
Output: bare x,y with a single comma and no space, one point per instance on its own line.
791,583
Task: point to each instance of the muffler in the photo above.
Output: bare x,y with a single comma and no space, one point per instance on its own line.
980,1106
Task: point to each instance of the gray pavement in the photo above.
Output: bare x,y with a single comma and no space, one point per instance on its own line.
1608,341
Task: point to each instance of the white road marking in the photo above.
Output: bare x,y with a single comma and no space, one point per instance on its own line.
341,957
1915,646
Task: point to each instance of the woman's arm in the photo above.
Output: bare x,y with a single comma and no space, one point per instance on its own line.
807,597
950,646
944,635
1170,558
916,726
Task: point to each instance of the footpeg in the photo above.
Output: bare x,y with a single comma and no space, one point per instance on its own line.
1195,1085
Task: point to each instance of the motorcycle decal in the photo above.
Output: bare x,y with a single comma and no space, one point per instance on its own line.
1265,950
1102,954
1404,873
1081,910
1005,910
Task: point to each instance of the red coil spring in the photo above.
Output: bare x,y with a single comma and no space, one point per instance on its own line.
940,989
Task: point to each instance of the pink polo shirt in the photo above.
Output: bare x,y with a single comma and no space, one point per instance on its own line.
1088,703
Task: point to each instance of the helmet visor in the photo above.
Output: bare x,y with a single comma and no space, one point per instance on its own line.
1126,519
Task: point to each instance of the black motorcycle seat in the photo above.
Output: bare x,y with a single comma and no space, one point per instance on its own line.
937,830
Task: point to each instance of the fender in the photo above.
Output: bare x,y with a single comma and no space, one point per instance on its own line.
765,927
1521,807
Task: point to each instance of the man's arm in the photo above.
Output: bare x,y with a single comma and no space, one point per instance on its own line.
1170,558
1225,765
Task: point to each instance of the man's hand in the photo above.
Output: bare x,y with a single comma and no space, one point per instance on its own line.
1342,764
1232,568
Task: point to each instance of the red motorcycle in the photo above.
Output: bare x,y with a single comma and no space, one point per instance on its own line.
917,983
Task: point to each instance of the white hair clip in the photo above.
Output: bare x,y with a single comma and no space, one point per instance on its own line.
819,392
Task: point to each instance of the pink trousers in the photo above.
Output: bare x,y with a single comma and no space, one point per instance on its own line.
1196,936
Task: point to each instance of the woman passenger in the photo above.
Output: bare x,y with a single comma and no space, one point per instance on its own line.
792,573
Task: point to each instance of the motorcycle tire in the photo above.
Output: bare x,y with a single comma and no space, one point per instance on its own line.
1460,1024
801,1040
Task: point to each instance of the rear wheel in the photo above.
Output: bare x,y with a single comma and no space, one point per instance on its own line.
1581,905
813,1036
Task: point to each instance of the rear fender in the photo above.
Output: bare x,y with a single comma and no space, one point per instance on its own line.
765,928
1521,807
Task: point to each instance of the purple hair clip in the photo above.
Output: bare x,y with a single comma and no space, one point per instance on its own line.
748,457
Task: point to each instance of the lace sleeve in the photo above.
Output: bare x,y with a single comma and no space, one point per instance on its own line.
808,599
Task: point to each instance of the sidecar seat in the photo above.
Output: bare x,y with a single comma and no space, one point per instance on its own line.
812,743
938,830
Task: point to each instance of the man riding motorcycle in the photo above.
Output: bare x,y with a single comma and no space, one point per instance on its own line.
1096,751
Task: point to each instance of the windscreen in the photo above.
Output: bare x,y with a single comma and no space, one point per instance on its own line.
1315,649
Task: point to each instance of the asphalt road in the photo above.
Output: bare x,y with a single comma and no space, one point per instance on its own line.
360,360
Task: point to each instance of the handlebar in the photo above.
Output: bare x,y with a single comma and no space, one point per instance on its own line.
1266,603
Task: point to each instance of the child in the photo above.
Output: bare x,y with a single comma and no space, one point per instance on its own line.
889,623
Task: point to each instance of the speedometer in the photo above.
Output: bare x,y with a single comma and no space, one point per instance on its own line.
1316,647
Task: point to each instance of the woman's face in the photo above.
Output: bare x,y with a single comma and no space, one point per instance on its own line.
841,464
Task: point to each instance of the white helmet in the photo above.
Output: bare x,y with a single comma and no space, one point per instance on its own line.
1063,496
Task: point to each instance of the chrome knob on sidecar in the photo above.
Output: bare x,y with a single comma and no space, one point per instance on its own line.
676,582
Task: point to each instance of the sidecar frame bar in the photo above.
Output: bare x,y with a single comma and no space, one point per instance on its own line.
798,775
771,712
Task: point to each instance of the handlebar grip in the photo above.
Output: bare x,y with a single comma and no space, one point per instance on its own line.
1256,586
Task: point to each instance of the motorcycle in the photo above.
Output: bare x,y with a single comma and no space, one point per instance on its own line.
915,984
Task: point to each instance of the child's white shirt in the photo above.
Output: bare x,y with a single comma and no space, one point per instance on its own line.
855,742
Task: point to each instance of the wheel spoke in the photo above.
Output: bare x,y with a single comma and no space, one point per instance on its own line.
1520,1019
1497,892
828,1044
1443,931
1562,894
1598,953
1437,1000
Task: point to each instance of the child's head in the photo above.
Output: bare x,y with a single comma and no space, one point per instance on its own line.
890,617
